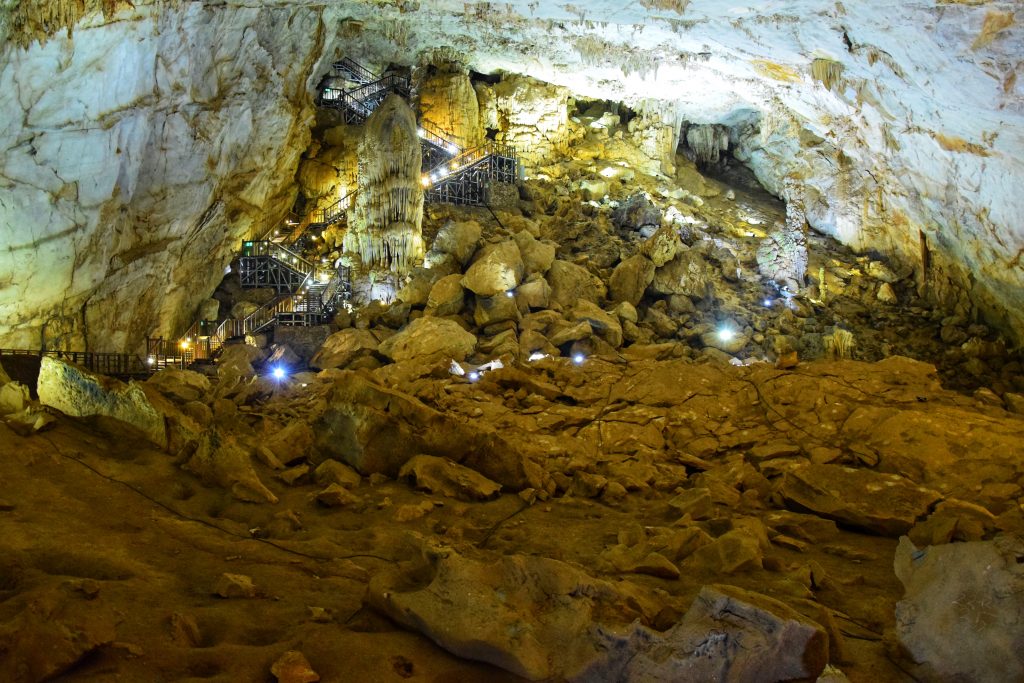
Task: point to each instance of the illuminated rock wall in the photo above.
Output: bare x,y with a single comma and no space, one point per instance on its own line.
135,155
448,101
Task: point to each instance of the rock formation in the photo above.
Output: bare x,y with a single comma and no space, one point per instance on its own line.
386,228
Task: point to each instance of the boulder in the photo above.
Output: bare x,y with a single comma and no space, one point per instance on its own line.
728,635
417,289
293,443
181,386
546,620
77,392
220,461
662,246
498,269
235,362
377,430
334,472
458,238
533,294
446,296
636,213
243,309
604,324
14,397
537,256
962,617
689,273
885,504
427,337
630,279
342,348
571,283
532,616
441,476
495,309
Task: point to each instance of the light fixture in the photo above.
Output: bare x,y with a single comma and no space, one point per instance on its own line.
278,373
578,358
474,376
726,334
150,360
184,344
768,303
511,293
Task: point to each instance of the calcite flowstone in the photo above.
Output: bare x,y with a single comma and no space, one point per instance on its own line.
77,392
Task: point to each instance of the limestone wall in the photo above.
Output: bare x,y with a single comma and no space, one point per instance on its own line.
135,153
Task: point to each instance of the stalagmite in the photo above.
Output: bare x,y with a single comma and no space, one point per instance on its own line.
386,224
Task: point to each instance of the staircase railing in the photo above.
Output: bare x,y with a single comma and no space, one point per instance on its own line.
282,254
358,72
438,138
333,213
104,363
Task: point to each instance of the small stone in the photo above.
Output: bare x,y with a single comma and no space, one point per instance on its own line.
235,586
334,472
293,667
886,294
336,495
292,475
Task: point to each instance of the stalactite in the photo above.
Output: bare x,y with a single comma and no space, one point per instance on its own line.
708,142
826,71
386,227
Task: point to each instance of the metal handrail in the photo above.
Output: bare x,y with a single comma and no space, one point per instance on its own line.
285,256
468,159
106,363
333,213
437,137
359,72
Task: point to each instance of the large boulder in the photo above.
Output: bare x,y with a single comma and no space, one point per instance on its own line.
689,273
458,238
446,296
77,392
498,269
376,429
630,279
962,614
537,256
728,635
662,246
571,283
546,620
342,348
14,397
181,385
885,504
429,337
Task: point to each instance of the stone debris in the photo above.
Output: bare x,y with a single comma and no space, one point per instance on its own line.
446,478
293,667
235,586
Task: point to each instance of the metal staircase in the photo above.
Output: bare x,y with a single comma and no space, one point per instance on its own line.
465,179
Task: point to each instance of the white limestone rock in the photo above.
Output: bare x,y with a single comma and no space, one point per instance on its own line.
77,392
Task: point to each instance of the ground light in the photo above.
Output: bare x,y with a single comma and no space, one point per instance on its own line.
474,376
278,373
726,334
578,358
